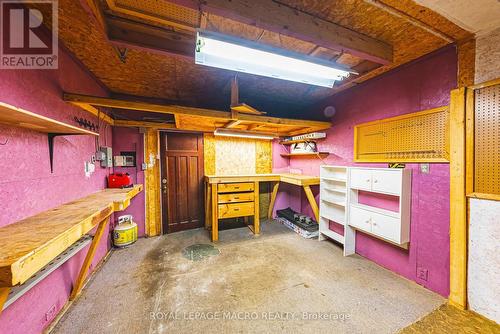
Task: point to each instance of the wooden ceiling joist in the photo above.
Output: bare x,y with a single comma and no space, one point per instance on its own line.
197,119
270,15
132,34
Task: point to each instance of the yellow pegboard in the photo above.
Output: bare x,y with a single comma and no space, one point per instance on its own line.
417,137
487,140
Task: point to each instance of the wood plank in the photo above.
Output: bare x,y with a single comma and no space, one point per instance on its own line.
273,199
152,183
306,154
469,141
256,216
135,35
4,294
288,21
458,220
88,259
28,245
312,202
491,197
215,218
14,116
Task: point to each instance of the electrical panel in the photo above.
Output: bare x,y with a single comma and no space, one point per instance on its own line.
107,156
124,161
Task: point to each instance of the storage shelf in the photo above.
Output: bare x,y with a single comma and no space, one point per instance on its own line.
290,142
308,154
340,191
333,235
17,117
334,202
333,179
377,210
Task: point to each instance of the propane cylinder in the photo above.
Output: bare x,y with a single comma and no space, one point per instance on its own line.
125,233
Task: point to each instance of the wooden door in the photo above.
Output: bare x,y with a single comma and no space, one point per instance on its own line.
182,181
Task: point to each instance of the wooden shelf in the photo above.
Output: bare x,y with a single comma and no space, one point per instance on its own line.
290,142
21,118
308,154
32,243
17,117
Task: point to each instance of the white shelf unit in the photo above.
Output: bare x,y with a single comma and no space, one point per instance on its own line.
334,206
390,226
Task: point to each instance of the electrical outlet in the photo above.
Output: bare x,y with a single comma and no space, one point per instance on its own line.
425,168
422,273
51,313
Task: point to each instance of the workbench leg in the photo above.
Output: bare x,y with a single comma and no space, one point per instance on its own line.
256,216
312,202
276,185
88,259
208,208
215,211
4,294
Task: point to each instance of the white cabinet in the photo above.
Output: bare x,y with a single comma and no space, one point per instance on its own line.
385,224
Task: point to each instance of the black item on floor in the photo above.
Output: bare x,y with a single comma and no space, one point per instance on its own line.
302,221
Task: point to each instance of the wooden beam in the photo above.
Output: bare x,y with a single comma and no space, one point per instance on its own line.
88,259
270,15
152,182
131,34
94,111
142,124
232,123
94,9
466,62
458,201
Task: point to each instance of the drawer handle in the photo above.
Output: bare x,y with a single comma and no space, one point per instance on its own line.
367,180
236,197
375,181
236,209
236,187
375,224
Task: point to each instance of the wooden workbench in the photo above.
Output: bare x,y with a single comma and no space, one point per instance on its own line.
30,244
212,197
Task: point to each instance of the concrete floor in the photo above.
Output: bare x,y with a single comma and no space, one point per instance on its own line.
275,283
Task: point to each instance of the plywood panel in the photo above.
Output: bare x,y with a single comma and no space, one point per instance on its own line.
417,137
487,140
234,156
209,153
152,183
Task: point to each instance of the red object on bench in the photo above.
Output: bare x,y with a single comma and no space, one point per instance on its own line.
119,180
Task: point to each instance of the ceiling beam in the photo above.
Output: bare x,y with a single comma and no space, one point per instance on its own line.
128,33
223,116
270,15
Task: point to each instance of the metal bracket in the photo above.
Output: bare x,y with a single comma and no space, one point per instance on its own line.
51,137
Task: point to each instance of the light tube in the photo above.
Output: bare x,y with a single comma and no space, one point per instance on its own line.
231,53
242,134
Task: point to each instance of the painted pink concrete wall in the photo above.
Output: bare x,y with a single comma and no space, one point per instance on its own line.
28,186
423,84
129,139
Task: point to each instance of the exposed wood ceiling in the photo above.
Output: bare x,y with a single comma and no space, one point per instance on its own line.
146,69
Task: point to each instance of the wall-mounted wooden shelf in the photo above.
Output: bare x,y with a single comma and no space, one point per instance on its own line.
290,142
308,154
13,116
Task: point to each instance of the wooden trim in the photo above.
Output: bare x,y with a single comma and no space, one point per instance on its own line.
152,183
215,211
409,115
469,140
491,197
256,215
458,214
4,294
88,259
485,84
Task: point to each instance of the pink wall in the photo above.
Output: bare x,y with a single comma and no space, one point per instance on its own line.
423,84
28,186
129,139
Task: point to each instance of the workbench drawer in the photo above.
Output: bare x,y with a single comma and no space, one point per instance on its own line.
236,210
235,187
236,198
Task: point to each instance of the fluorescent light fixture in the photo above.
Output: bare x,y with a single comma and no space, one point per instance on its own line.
231,53
242,134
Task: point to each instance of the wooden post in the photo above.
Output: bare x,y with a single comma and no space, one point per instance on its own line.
312,202
273,199
458,217
215,219
4,294
256,218
208,205
88,259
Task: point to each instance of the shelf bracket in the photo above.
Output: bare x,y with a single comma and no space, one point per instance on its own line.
51,137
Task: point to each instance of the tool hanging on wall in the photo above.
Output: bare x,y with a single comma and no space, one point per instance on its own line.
85,123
